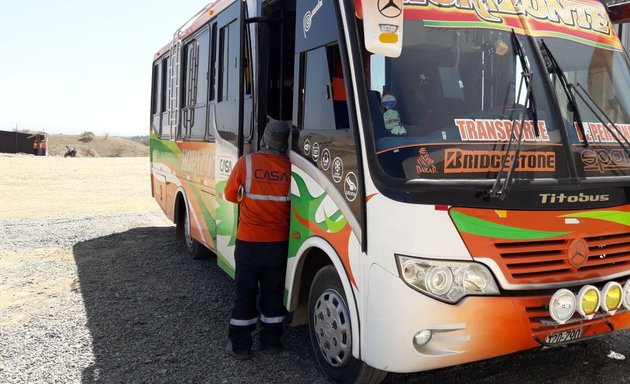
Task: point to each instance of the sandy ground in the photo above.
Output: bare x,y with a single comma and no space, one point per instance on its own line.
66,188
32,187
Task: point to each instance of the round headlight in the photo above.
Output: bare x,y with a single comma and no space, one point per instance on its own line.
439,280
588,301
562,306
626,295
612,297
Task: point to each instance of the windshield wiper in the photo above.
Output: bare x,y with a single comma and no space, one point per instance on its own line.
602,117
501,185
566,86
527,74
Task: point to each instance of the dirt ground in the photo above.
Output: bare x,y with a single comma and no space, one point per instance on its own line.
48,206
32,187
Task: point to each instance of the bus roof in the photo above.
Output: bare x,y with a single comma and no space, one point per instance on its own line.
194,23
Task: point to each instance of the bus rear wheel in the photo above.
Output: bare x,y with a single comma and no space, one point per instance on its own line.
194,248
331,332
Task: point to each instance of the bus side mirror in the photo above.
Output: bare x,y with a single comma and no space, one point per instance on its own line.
383,26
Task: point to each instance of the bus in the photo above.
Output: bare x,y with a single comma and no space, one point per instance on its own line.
460,168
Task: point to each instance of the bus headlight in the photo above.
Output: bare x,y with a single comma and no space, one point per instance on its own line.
612,297
626,295
588,301
446,280
562,306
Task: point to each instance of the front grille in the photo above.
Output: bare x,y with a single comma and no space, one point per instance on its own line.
546,261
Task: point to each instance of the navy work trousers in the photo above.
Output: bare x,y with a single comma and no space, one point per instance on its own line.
258,265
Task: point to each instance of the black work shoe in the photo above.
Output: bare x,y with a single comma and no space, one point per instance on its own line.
238,355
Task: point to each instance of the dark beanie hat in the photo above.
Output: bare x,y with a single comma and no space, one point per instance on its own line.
276,136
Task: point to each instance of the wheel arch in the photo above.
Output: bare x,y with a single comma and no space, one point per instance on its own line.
180,206
314,254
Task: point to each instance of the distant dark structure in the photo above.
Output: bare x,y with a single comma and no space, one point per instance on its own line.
18,142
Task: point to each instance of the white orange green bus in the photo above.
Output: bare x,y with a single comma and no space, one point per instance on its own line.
460,168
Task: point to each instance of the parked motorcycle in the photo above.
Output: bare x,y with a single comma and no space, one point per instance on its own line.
70,152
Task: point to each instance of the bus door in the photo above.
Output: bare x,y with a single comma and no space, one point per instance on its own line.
224,113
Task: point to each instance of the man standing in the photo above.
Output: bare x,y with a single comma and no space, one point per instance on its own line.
260,184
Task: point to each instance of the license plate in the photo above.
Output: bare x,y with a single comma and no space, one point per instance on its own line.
563,337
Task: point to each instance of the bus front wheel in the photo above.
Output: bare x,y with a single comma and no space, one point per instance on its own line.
331,332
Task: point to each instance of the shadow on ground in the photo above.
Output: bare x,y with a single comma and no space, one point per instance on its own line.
157,316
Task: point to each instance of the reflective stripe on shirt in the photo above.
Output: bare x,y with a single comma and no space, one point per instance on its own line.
248,173
268,197
248,185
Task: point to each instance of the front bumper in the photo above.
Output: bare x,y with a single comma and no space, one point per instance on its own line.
476,328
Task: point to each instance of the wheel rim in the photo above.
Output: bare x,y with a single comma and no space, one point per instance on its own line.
331,323
187,236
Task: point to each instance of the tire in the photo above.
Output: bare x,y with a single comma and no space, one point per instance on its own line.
330,331
195,249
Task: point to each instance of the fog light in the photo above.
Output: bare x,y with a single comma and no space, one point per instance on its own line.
612,297
588,301
562,306
422,338
626,295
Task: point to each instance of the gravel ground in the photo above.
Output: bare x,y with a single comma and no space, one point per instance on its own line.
116,299
112,297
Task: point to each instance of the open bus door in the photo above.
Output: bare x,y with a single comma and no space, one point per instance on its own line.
230,113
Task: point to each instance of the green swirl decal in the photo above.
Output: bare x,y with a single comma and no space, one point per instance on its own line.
480,227
304,207
226,215
162,148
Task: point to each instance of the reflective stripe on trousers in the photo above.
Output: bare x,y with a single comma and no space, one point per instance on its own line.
243,323
271,320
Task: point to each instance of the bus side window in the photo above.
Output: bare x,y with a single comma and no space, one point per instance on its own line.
227,101
155,98
317,112
325,102
164,133
190,77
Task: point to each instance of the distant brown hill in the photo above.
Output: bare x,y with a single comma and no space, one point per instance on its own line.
100,146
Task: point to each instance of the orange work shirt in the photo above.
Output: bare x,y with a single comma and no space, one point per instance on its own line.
264,208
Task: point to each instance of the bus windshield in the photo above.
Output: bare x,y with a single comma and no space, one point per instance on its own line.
454,100
456,105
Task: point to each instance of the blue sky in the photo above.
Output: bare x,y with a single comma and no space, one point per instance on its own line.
70,66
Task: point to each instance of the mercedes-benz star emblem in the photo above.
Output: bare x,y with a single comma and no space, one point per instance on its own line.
578,253
389,8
